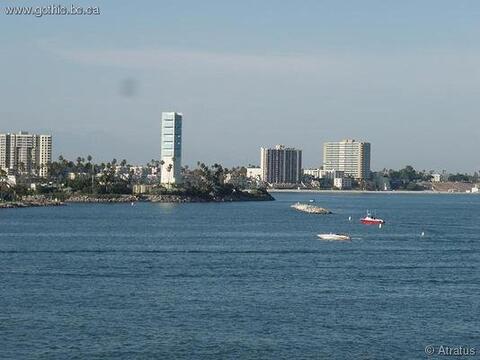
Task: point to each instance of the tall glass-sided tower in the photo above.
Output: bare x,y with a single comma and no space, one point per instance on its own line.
171,148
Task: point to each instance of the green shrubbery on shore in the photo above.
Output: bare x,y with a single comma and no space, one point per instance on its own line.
84,181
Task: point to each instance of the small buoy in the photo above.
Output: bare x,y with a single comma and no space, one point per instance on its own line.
423,233
133,204
349,218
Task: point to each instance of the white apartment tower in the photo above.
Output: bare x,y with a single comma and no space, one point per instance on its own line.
281,165
25,153
171,148
44,155
350,156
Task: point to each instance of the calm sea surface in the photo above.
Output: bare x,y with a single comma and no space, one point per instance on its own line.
241,280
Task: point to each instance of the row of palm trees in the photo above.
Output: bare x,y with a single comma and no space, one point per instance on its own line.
85,164
104,173
88,176
160,163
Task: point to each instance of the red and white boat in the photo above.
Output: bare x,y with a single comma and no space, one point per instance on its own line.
371,220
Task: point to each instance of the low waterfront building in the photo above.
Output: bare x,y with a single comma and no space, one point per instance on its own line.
437,178
139,171
343,183
11,180
281,165
323,174
139,189
75,175
315,173
254,173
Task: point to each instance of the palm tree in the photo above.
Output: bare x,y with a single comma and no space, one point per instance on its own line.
169,169
92,170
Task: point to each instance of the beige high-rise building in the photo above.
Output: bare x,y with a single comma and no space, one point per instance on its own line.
350,156
44,155
281,165
25,153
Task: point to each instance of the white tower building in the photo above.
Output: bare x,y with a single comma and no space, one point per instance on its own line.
171,148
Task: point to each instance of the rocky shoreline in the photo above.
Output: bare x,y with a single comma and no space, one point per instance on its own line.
238,196
102,199
168,198
30,203
120,199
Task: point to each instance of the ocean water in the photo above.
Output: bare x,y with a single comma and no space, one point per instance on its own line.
241,280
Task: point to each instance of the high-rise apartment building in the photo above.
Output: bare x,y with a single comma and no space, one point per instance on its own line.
25,153
281,165
350,156
44,154
171,148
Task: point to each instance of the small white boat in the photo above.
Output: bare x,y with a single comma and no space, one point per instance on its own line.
333,236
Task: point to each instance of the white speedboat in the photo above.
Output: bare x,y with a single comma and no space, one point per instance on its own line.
332,236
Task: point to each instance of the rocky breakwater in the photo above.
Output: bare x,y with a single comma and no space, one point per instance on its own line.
185,197
236,196
29,203
173,199
102,199
311,209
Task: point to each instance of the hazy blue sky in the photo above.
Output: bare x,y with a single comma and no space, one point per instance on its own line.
404,75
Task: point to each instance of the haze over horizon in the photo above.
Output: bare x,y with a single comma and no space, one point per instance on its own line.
402,75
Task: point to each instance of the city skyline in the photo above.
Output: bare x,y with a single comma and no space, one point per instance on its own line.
239,179
407,80
176,161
